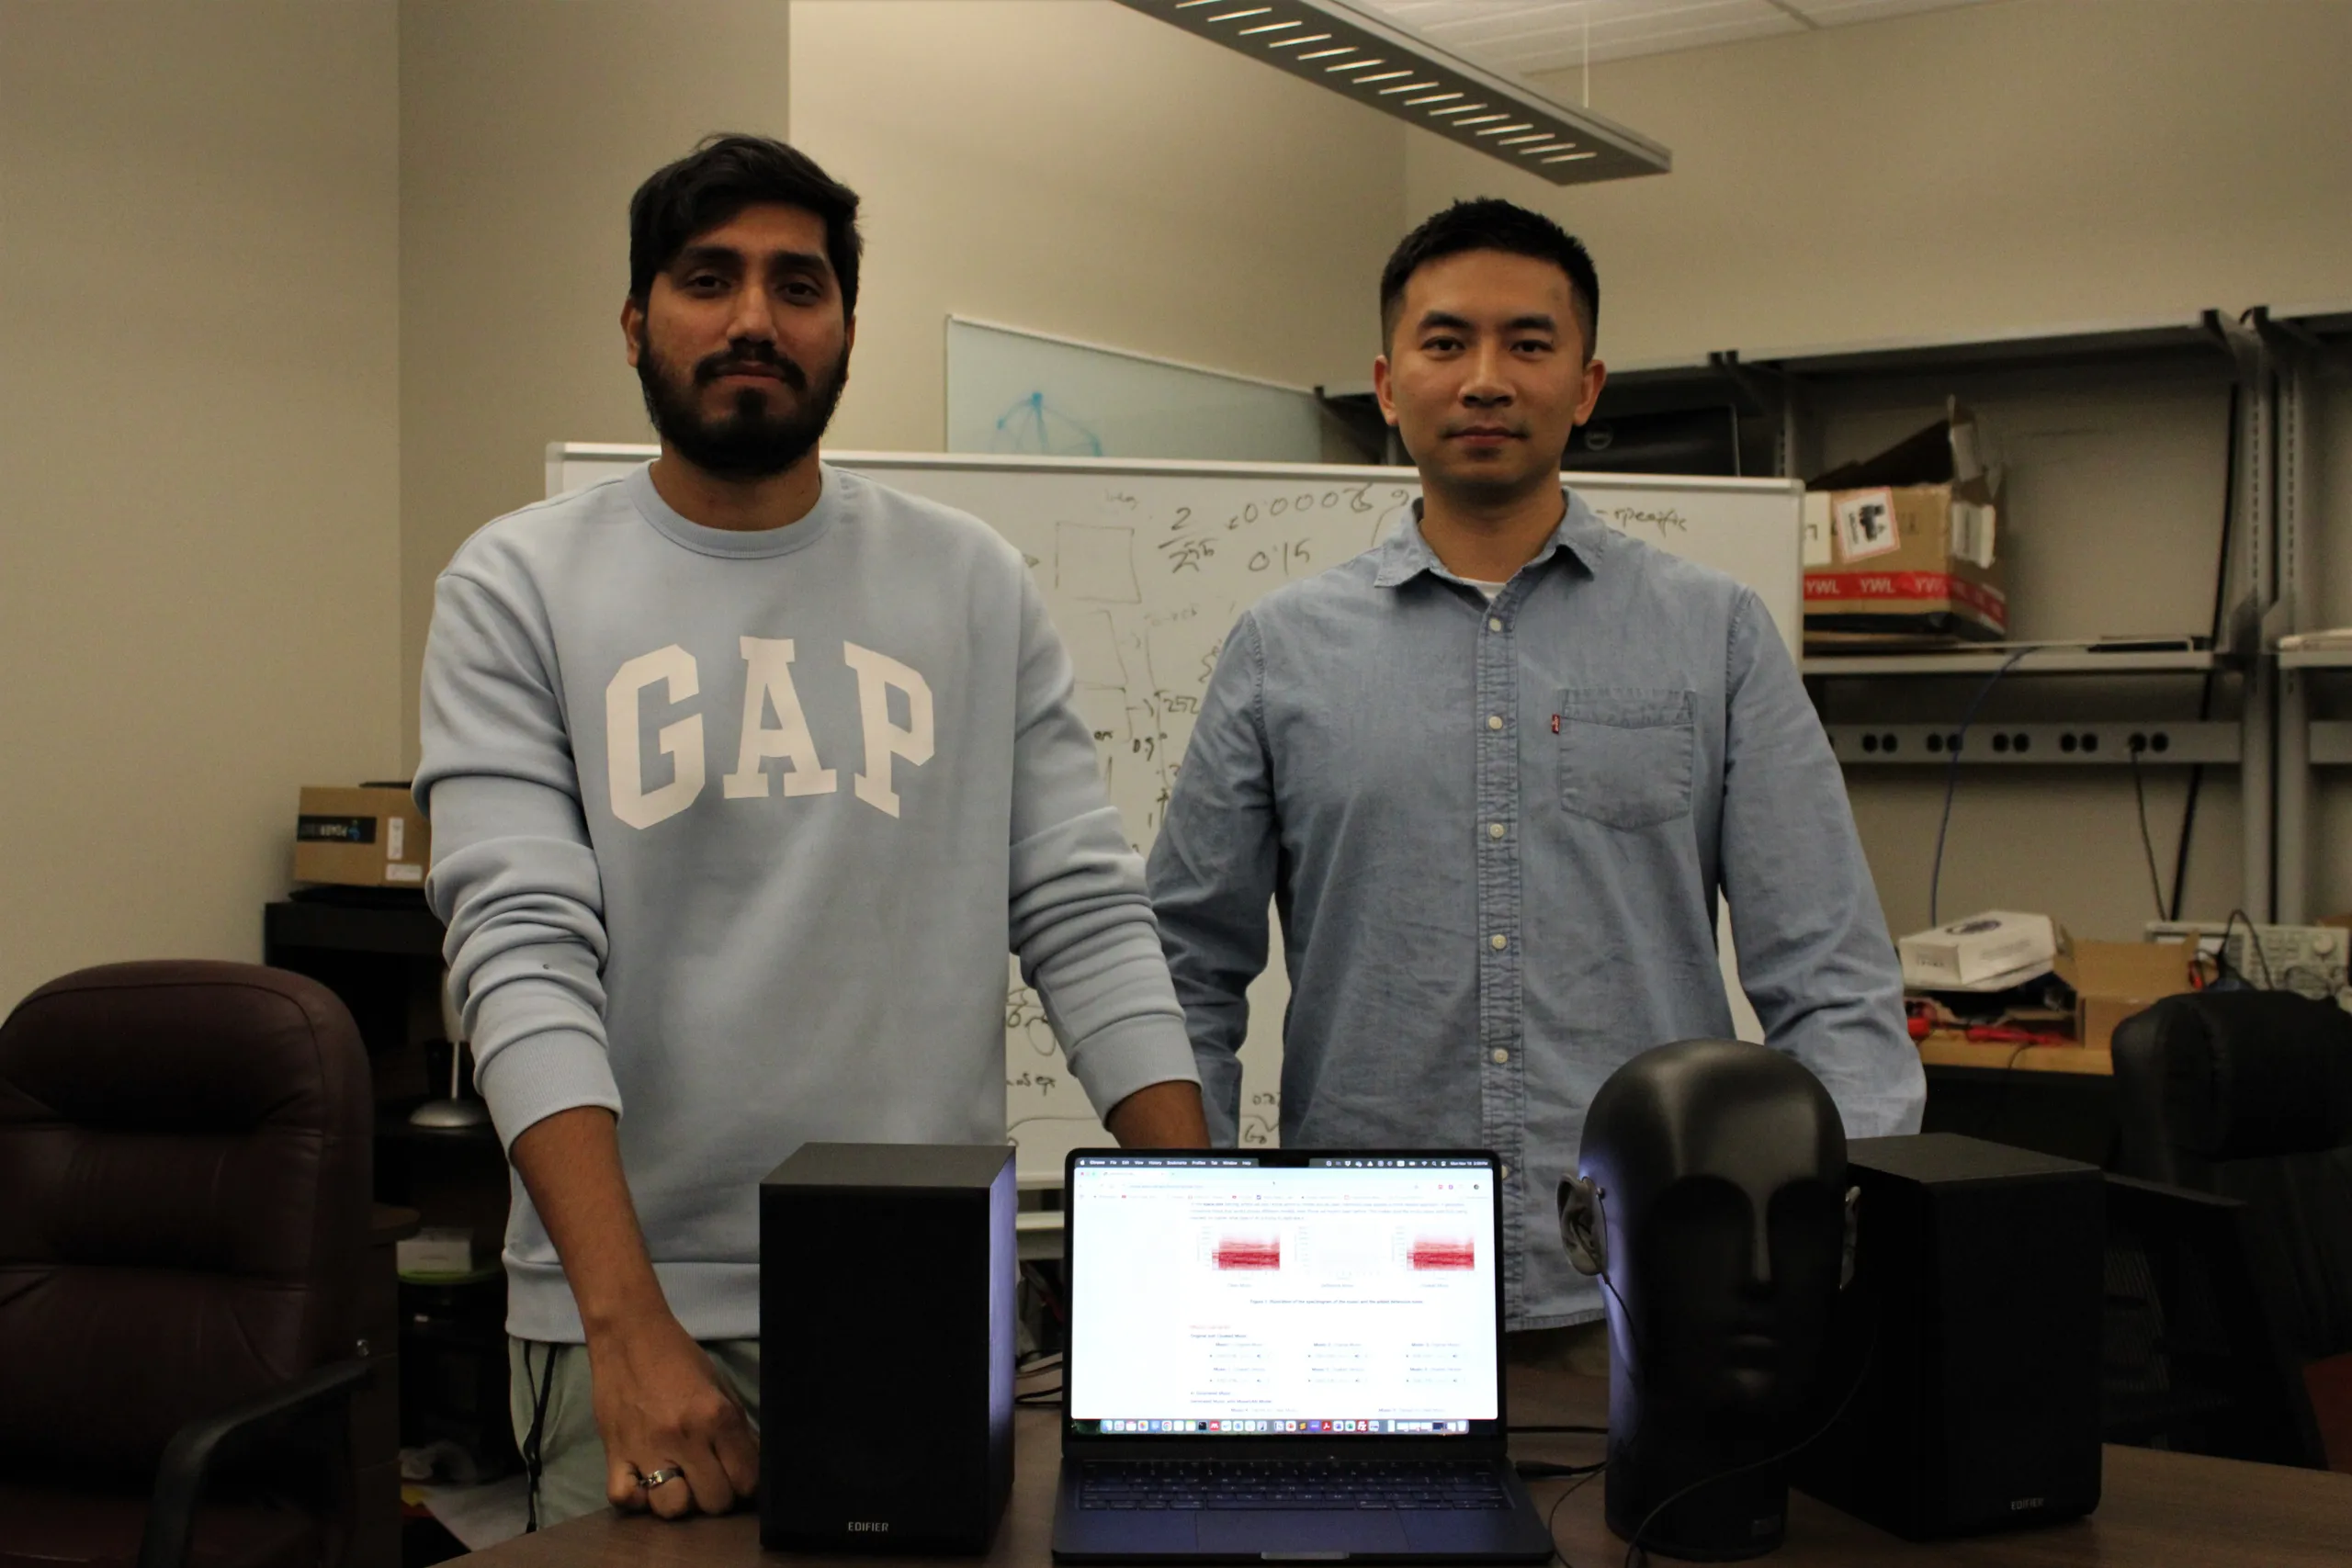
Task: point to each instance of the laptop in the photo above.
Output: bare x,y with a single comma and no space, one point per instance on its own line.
1280,1355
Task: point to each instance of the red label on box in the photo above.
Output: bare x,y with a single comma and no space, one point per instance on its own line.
1990,603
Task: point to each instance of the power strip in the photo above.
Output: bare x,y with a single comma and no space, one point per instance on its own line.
2307,960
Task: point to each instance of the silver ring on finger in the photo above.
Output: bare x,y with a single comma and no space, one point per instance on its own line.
653,1478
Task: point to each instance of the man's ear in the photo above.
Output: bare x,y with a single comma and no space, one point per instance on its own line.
1584,1225
1380,391
632,320
1853,1224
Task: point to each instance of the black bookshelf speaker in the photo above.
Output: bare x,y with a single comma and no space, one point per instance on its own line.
886,1327
1966,1354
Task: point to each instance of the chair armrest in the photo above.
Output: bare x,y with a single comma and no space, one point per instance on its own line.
196,1447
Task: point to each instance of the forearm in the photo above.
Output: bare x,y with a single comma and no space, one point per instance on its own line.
571,1164
1164,1116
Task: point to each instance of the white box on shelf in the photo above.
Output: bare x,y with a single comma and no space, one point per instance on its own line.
1998,941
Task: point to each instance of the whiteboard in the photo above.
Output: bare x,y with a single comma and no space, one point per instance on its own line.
1029,394
1144,566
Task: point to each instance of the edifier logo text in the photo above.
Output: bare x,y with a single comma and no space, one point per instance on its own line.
2020,1505
856,1525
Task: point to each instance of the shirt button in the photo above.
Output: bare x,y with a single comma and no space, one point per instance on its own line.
1502,1057
1494,830
1494,721
1494,622
1498,942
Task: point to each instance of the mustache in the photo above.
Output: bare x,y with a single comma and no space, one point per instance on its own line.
750,356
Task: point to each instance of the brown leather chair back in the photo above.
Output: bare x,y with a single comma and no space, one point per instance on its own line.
185,1179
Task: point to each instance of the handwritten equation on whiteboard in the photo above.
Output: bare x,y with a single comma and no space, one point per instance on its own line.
1144,584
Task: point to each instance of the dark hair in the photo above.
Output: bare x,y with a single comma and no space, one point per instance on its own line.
721,176
1490,223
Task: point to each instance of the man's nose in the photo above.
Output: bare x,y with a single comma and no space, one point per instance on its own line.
1487,387
751,319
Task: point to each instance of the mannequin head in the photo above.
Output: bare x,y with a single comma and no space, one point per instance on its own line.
1710,1200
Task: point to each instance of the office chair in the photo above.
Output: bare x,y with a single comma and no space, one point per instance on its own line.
2246,1096
184,1155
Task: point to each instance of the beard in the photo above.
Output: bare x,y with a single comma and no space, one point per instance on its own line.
764,433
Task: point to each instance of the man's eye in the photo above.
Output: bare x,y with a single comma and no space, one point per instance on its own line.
704,283
1441,345
1534,345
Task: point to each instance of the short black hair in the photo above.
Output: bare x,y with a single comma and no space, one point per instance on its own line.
724,175
1490,223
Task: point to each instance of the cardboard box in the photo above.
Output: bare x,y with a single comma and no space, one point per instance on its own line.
1997,943
2112,980
373,836
1901,547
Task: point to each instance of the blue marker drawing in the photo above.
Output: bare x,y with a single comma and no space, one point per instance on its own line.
1029,426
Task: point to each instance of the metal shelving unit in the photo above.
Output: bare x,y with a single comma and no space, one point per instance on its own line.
2296,345
1779,395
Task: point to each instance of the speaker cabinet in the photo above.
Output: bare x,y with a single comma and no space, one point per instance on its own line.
886,1279
1974,1327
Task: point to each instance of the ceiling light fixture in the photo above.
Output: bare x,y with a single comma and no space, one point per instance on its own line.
1564,145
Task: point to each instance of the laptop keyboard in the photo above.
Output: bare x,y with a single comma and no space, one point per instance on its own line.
1277,1483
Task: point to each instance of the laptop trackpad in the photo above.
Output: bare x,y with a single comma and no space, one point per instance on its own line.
1280,1531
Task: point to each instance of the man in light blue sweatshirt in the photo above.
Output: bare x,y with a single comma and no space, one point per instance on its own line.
743,772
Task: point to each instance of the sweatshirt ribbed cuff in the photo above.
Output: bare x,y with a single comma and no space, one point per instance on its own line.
530,1080
1132,1054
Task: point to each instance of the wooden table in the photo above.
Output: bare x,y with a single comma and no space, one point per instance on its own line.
2160,1511
1952,1048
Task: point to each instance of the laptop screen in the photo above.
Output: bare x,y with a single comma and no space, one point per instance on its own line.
1283,1295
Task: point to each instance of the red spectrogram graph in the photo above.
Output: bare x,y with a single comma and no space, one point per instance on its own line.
1249,1252
1445,1252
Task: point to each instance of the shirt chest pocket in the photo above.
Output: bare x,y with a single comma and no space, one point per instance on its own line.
1625,754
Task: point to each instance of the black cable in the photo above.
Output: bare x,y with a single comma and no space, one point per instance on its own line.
1861,1375
2140,794
1546,1469
2254,940
1952,780
1551,1518
2001,1101
2205,697
1039,1398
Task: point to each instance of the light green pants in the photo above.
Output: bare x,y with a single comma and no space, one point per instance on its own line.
571,1452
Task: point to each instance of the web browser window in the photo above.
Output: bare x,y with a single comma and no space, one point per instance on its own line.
1221,1296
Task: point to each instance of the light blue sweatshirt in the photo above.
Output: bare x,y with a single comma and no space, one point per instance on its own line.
732,831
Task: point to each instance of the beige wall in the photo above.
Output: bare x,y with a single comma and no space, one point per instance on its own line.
1980,169
200,545
525,125
1072,166
1985,170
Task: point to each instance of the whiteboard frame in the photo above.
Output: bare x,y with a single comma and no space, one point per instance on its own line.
1788,617
954,320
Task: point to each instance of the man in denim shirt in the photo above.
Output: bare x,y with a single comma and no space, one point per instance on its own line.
1495,775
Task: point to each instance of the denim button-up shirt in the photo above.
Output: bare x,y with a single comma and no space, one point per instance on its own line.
1496,834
